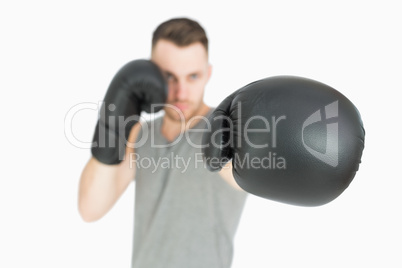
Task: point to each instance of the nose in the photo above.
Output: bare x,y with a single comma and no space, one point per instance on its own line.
179,89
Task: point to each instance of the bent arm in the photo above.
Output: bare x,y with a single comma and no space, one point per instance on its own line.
227,175
102,185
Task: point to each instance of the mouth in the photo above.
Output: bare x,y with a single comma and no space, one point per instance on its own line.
181,106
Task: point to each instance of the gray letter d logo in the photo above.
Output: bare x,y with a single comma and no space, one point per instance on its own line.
331,154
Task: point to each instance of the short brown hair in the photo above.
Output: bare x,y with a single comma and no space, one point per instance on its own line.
181,31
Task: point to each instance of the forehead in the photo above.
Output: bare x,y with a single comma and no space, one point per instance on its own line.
179,60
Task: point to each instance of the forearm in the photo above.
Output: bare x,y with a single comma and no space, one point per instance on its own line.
227,175
100,187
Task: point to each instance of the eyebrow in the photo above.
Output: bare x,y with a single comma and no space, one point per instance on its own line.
189,74
168,73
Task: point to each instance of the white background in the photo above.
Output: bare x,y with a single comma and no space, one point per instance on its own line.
57,54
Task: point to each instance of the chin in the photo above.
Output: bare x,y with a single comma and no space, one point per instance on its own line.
177,116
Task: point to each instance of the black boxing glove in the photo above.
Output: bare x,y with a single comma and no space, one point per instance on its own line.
291,139
136,87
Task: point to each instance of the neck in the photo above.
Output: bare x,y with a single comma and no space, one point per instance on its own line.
173,128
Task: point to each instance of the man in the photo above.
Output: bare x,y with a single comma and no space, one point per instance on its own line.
185,216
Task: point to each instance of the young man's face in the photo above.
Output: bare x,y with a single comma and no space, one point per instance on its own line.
187,71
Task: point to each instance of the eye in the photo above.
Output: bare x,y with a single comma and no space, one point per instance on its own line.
169,77
193,76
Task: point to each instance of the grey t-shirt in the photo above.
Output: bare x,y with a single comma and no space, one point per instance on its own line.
185,215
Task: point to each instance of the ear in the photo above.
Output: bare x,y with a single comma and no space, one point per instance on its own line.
209,71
